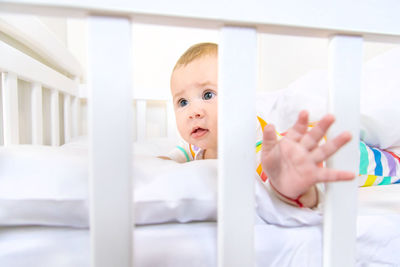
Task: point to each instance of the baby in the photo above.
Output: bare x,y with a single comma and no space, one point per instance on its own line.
292,164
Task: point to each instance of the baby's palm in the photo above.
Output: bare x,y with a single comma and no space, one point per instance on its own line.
293,164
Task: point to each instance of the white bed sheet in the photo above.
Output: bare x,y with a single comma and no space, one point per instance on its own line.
194,244
379,200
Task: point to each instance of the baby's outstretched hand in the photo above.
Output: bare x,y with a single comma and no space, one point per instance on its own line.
293,164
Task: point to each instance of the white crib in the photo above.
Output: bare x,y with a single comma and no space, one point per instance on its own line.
347,24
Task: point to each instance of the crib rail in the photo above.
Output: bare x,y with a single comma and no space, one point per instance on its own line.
35,66
30,34
311,18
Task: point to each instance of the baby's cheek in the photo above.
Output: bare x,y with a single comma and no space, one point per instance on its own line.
183,131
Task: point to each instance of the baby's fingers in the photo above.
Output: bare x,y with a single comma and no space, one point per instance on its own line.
299,128
269,137
312,138
330,175
326,150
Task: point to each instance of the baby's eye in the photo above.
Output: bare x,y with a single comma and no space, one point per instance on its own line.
182,102
208,95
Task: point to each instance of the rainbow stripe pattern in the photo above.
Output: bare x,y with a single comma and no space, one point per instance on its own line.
377,166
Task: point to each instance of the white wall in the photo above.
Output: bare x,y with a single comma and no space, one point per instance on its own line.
283,59
156,50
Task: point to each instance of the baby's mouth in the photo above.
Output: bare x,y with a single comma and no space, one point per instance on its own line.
198,132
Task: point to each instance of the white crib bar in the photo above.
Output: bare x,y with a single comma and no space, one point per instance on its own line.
37,114
55,118
340,211
67,118
141,119
110,136
10,108
237,117
75,116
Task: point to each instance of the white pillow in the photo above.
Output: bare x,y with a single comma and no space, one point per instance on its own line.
169,191
282,107
155,146
380,105
42,185
379,102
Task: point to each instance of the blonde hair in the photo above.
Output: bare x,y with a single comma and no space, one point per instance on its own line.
196,51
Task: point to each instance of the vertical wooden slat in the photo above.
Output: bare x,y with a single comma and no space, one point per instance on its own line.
171,132
10,108
55,118
75,116
37,114
67,118
110,136
141,119
237,85
340,212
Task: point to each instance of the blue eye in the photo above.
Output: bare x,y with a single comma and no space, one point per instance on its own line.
182,102
208,95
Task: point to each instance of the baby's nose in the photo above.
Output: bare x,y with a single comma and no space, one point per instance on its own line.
197,113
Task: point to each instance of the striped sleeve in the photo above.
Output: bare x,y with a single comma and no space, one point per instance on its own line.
378,166
181,153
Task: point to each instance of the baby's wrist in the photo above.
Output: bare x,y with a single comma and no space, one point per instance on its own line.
306,200
292,201
310,198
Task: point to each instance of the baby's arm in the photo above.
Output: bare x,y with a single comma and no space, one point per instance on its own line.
293,164
164,157
180,154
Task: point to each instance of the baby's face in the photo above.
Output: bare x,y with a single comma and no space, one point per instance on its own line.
194,91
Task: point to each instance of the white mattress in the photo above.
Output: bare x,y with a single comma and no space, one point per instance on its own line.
382,200
294,239
194,244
